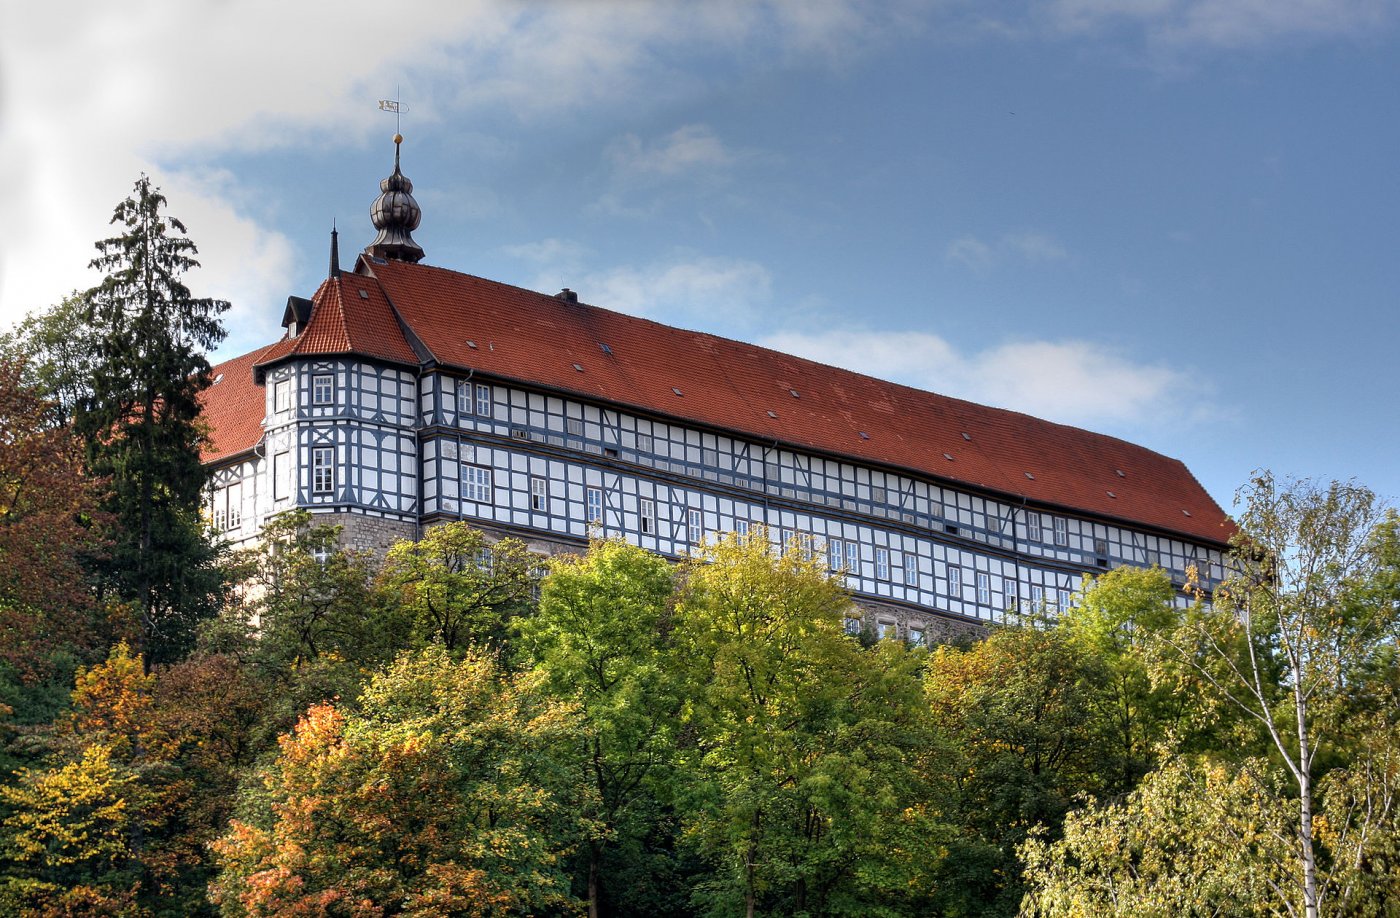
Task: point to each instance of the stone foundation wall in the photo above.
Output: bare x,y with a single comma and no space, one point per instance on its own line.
937,629
372,534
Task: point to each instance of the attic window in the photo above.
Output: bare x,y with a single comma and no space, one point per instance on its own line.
1121,473
967,436
948,456
677,391
1186,512
471,344
217,379
364,294
772,414
864,435
606,349
1030,476
1112,495
578,367
793,393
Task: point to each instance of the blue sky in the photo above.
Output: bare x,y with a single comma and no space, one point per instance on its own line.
1174,221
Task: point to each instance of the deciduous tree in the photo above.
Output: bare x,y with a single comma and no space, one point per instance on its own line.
602,638
460,587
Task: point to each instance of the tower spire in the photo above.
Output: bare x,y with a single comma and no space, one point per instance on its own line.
396,215
335,252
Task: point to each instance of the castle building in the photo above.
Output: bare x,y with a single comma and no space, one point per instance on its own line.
404,395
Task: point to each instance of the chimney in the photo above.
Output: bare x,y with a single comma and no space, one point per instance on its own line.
567,295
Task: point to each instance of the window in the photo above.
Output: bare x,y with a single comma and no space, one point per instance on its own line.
911,569
322,389
644,443
464,397
1061,531
483,401
741,528
833,555
1062,598
955,582
882,564
916,636
784,537
984,590
235,505
220,511
853,626
804,545
573,426
593,497
853,557
646,512
476,483
694,527
1033,532
886,630
539,495
1037,598
322,470
282,395
281,475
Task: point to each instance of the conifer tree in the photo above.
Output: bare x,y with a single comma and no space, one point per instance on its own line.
140,421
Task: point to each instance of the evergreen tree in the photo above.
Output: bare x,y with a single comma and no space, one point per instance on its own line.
140,421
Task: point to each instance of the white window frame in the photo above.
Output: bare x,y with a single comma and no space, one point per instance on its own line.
1062,599
1061,531
916,635
646,516
323,389
574,427
464,397
911,569
322,470
853,557
694,526
835,557
282,396
886,630
539,494
234,495
476,483
483,400
955,581
1037,597
644,443
741,528
1035,532
882,564
282,475
984,588
804,545
593,506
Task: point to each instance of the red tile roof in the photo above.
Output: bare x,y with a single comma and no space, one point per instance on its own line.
538,339
234,406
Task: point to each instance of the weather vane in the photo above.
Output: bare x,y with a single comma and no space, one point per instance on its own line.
393,105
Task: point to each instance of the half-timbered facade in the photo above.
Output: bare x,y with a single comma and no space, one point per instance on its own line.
404,395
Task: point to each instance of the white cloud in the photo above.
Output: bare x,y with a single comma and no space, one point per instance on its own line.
95,96
1028,247
684,290
1072,382
1225,24
684,152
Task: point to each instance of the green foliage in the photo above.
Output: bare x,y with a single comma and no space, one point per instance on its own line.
460,588
1021,710
602,640
801,796
59,350
140,419
1196,839
433,799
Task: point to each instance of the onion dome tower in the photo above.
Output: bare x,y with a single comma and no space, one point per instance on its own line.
396,215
